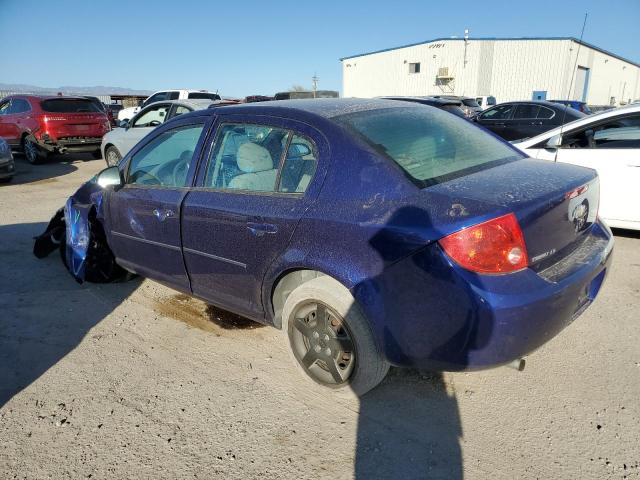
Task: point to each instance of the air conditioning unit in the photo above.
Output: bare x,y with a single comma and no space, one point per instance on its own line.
443,72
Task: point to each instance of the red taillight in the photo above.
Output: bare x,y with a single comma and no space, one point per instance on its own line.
494,246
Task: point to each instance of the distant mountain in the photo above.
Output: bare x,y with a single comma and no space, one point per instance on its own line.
99,90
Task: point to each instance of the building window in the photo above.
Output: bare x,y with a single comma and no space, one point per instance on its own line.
414,67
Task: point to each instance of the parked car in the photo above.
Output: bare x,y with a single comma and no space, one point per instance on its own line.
608,142
486,101
451,106
97,102
575,104
40,125
119,141
164,95
469,105
518,120
7,166
301,94
372,232
112,112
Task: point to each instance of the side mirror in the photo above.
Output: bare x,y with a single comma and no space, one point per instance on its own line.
124,124
109,176
554,142
299,150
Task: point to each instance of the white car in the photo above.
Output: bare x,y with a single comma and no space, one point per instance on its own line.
608,142
486,101
163,95
117,143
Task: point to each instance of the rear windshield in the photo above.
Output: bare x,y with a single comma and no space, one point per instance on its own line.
470,102
60,105
430,145
205,96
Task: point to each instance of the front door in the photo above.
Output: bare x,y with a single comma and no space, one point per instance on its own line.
144,215
497,118
250,197
611,147
8,123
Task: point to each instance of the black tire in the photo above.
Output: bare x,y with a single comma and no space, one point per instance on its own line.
96,155
112,156
352,349
32,152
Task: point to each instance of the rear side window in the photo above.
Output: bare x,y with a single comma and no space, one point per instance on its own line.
60,105
430,145
526,111
204,95
248,157
545,113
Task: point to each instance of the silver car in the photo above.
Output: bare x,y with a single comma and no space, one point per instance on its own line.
117,143
7,167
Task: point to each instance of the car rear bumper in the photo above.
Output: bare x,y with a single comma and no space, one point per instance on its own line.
72,144
464,321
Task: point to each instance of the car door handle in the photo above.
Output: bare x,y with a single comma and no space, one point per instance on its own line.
259,229
162,214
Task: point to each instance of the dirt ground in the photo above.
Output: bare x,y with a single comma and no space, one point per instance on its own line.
133,380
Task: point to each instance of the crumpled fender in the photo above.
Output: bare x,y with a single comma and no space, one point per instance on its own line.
78,231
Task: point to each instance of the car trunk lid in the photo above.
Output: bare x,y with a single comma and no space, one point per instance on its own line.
73,117
555,204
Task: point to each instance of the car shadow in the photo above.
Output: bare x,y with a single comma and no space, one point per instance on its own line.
46,314
409,427
57,166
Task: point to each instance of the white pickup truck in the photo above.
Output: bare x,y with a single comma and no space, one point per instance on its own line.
163,95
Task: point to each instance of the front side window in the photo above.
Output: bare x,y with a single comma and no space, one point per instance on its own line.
502,112
165,160
617,133
246,157
430,145
152,117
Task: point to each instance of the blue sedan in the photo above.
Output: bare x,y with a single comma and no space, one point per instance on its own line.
371,232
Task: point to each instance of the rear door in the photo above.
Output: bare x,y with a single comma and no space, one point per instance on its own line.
260,177
611,147
525,122
144,215
143,123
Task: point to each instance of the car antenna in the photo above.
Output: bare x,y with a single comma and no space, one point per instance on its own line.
573,74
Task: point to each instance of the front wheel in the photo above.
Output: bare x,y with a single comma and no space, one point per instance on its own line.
330,338
112,156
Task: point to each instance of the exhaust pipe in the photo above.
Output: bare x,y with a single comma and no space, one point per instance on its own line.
518,364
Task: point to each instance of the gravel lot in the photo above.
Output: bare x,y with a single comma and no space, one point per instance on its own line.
134,380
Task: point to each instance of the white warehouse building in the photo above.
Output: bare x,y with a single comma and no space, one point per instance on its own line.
506,68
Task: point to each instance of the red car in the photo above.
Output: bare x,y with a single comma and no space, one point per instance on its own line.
41,125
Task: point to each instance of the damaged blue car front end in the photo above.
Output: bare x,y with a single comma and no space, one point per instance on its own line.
77,231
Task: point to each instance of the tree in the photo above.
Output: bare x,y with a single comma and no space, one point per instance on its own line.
297,88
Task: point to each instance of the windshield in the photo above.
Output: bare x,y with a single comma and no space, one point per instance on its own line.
60,105
430,145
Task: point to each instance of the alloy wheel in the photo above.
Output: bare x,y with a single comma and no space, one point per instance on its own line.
30,151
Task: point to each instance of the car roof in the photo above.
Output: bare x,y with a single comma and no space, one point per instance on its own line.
582,121
195,103
321,107
47,97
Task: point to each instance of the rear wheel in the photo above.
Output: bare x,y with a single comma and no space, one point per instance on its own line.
112,156
32,152
330,338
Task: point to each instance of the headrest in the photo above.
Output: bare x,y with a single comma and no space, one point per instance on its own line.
253,158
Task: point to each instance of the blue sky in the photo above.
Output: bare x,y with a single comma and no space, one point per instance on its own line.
249,47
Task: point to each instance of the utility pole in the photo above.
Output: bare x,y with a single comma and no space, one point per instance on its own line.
315,79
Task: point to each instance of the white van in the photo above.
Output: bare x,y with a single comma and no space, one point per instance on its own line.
486,101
